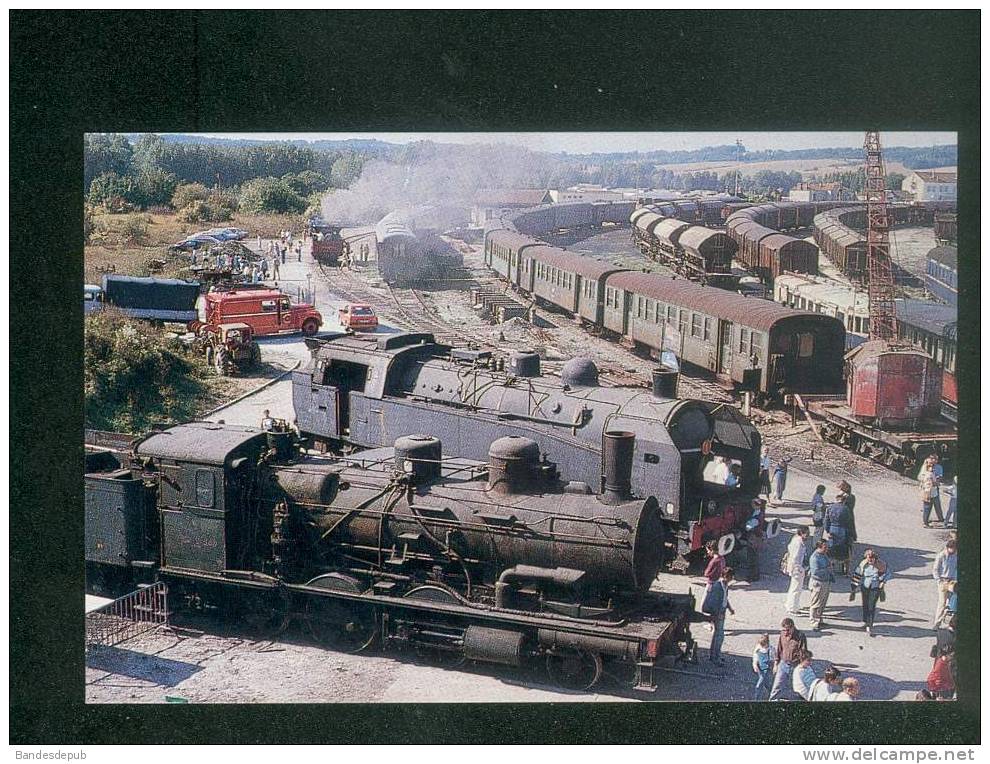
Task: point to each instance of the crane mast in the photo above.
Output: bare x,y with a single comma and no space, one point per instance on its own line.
883,319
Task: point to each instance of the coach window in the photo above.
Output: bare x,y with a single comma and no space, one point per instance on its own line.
695,325
806,345
671,315
756,345
682,322
744,340
708,327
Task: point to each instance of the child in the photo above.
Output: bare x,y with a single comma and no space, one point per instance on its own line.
764,657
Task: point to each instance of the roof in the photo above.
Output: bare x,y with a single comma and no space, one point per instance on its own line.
508,197
201,442
257,294
754,313
561,258
928,316
696,236
937,176
508,238
946,256
778,241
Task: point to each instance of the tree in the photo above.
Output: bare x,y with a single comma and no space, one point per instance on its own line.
154,187
105,153
348,168
187,193
113,192
307,182
216,208
270,195
894,181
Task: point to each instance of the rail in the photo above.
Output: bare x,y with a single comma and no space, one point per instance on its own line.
127,617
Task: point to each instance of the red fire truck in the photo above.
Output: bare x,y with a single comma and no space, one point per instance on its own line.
266,311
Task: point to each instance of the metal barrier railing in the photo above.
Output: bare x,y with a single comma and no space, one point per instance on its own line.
128,616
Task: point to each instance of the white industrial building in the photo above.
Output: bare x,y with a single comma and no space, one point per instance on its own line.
931,185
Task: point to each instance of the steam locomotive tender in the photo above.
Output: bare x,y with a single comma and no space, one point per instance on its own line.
499,562
365,391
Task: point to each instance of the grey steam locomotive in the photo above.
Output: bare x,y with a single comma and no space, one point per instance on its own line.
400,548
365,391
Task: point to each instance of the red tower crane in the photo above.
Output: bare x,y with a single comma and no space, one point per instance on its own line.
883,320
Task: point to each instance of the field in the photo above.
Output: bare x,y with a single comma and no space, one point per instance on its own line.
129,243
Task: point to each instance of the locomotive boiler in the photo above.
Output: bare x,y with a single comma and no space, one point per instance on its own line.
402,548
366,391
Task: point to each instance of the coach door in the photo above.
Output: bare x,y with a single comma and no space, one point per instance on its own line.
725,347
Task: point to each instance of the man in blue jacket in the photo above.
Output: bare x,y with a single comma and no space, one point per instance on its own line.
821,577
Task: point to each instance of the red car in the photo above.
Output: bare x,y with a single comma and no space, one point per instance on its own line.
266,311
358,317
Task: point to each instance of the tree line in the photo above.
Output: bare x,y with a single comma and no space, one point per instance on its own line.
210,182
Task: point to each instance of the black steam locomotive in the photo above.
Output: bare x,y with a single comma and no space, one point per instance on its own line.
365,391
401,548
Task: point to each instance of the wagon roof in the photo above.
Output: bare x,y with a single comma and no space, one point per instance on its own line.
750,229
644,221
201,442
668,227
749,311
561,258
945,255
696,236
930,316
511,238
778,241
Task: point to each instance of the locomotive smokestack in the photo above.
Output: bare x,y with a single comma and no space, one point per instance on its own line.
617,459
419,456
525,363
665,382
513,464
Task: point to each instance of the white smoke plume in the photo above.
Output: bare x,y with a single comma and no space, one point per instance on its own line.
437,174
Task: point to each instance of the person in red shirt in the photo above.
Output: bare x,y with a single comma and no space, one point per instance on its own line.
715,566
941,683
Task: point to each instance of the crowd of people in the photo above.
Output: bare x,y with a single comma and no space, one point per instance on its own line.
814,559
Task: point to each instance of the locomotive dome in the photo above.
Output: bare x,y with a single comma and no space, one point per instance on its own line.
579,372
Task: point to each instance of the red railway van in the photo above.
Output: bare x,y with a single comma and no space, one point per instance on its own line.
266,311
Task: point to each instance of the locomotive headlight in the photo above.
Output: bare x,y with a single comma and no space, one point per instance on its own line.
669,508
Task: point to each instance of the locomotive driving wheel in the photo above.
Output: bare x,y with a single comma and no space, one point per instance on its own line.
572,668
435,652
345,626
266,612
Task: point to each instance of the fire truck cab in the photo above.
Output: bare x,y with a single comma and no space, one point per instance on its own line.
266,311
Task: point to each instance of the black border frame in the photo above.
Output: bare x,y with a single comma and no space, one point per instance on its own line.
76,72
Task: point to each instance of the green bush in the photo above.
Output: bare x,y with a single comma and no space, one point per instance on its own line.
187,193
217,208
115,193
134,230
135,376
270,195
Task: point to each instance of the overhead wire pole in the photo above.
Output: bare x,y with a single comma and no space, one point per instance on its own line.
883,318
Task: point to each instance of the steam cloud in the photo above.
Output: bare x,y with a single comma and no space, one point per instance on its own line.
437,175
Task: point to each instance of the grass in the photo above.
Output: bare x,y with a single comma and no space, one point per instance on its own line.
117,242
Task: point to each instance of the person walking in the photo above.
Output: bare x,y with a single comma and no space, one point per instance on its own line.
869,577
720,593
803,676
818,513
837,532
822,689
267,421
850,690
822,577
299,253
790,645
780,478
765,471
928,489
283,252
259,242
950,512
944,571
797,569
275,269
850,501
764,657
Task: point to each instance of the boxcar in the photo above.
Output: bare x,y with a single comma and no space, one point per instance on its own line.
780,252
706,250
616,213
755,343
665,235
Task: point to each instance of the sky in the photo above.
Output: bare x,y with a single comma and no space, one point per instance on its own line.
586,143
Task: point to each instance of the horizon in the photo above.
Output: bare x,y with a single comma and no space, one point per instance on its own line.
618,142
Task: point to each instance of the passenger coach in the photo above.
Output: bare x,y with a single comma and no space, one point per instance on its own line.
755,343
